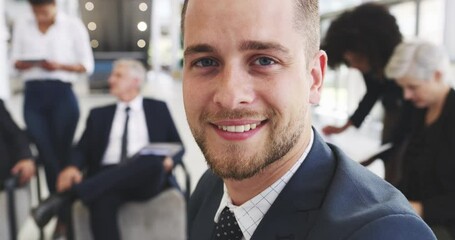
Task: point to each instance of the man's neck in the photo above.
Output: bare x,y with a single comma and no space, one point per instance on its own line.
126,98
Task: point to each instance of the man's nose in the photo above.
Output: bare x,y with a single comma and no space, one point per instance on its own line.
234,88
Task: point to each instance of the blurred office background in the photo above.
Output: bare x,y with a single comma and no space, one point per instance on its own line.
149,30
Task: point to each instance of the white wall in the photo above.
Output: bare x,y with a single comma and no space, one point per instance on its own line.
449,30
4,80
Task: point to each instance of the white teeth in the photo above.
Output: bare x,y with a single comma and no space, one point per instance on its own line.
239,128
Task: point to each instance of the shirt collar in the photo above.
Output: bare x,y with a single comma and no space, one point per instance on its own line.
257,201
135,104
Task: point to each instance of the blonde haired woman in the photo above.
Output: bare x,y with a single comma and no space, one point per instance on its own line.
422,70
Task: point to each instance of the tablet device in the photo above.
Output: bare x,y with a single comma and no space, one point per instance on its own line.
161,149
33,61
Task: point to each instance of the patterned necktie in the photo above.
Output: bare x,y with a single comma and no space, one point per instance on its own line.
124,149
227,227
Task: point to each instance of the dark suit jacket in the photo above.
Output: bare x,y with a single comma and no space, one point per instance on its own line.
329,197
89,152
14,144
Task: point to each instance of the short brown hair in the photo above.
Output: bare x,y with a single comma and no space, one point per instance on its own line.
306,21
41,2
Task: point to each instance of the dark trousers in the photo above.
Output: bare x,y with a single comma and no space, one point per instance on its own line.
112,186
51,113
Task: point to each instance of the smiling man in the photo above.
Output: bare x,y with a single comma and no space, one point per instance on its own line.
252,70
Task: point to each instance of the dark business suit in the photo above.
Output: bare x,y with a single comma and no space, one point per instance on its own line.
329,197
108,187
14,144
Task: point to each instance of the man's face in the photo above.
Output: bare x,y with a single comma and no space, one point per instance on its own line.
44,13
121,81
247,85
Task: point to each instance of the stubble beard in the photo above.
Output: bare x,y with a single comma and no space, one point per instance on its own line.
234,163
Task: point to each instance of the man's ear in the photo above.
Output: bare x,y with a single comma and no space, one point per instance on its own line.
317,72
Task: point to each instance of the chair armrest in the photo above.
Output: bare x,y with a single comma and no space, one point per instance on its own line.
382,151
187,191
12,182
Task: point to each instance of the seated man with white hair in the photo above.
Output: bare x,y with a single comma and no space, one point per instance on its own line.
108,152
422,70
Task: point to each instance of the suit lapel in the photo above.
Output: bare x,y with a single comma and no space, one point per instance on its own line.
203,229
148,112
295,211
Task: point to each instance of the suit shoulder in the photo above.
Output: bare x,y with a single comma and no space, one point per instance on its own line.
102,109
153,101
155,105
395,227
2,106
362,199
365,190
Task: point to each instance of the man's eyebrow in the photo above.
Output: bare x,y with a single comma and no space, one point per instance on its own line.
198,48
258,45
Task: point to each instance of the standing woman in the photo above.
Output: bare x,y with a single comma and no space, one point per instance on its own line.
364,38
422,70
61,47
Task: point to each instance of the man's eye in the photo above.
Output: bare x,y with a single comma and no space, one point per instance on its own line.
205,62
264,61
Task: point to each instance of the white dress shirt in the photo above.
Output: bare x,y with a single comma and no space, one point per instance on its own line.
137,131
66,42
250,214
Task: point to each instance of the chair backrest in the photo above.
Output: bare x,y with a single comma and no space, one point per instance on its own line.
162,217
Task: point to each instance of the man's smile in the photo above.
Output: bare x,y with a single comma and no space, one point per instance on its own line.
239,128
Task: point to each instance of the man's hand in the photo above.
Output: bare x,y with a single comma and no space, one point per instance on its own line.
328,130
418,207
68,177
26,168
168,164
21,65
51,65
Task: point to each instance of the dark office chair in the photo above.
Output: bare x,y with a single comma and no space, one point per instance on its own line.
162,217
